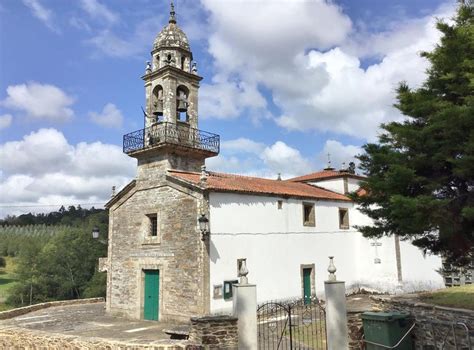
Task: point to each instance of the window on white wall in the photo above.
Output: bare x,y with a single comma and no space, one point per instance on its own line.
280,204
308,214
346,185
343,218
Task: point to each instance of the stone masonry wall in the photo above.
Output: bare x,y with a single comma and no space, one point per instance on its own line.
356,332
433,323
26,309
17,338
215,332
176,252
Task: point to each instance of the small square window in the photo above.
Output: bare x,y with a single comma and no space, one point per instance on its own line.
343,218
228,289
153,230
308,214
280,204
217,291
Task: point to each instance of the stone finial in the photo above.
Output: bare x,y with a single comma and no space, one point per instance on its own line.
243,272
194,68
203,177
279,177
172,13
113,192
148,67
329,166
331,269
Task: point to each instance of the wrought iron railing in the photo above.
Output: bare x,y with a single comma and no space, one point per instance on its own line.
169,133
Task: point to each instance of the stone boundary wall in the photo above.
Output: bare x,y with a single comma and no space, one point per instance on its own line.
215,332
433,323
19,338
26,309
356,331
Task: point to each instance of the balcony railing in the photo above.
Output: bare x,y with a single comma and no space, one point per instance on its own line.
164,133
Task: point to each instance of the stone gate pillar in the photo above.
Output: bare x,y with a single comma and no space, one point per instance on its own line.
336,311
245,309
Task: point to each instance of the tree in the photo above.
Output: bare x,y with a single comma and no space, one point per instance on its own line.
420,175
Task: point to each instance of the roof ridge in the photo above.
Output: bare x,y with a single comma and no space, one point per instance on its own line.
182,171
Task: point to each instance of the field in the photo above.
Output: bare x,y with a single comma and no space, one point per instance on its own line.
460,297
7,279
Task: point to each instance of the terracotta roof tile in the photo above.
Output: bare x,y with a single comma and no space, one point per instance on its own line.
221,182
325,174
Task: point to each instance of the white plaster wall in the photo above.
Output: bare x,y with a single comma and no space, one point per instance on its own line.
353,184
337,185
276,244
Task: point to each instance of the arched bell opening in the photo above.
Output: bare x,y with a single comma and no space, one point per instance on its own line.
182,103
157,103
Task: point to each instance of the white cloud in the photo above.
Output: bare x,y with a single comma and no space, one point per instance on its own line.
43,168
5,121
314,75
110,117
40,101
44,14
135,44
284,159
242,145
99,11
80,24
248,157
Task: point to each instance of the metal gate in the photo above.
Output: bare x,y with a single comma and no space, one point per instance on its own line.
292,325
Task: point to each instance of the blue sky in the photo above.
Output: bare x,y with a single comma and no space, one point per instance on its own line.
285,82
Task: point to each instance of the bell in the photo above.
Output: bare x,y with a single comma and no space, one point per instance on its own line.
158,110
182,105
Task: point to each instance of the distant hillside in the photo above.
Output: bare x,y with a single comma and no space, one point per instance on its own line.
72,216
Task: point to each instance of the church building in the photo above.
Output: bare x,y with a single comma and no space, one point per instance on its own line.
178,234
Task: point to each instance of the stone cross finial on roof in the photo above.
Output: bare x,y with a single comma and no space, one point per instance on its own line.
329,166
172,13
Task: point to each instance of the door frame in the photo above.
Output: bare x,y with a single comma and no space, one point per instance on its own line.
312,278
141,284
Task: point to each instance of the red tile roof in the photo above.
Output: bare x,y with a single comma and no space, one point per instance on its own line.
325,174
221,182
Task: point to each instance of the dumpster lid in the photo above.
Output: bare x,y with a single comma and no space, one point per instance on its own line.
384,316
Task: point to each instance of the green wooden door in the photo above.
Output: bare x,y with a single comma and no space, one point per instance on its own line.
152,295
307,285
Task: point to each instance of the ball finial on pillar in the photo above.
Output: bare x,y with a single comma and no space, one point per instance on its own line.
331,269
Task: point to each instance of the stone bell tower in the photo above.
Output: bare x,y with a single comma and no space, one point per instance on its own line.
171,134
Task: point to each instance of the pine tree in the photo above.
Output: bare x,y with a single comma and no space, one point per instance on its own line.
420,181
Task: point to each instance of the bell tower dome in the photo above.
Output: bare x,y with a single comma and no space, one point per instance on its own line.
171,100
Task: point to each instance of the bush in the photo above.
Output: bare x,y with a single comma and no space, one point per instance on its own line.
3,262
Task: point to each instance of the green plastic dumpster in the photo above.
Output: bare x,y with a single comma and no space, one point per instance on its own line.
387,328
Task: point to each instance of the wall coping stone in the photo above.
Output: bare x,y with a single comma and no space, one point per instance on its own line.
415,303
4,315
217,318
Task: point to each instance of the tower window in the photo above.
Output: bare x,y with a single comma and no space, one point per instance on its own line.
308,214
182,62
343,218
153,230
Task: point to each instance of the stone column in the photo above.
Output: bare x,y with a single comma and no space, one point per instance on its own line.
336,311
245,309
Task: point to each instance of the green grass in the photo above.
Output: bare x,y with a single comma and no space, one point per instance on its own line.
7,279
458,297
